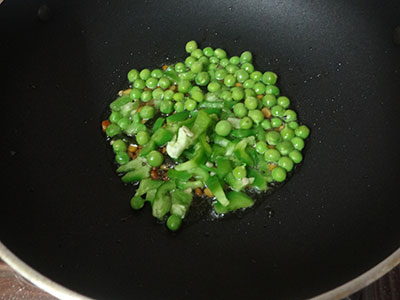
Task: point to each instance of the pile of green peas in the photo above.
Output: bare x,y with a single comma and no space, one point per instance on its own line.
248,103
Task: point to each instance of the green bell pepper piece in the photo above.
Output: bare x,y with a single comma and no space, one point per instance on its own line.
224,166
178,117
119,102
260,182
162,200
162,136
242,133
150,146
147,185
136,175
215,187
242,155
158,124
178,175
132,165
180,202
236,200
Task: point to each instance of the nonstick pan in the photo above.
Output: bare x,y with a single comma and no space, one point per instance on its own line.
66,214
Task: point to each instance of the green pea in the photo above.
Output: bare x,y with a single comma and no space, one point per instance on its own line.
194,88
169,95
144,74
156,73
119,146
189,75
223,128
248,67
224,62
239,172
155,158
123,123
277,111
261,147
184,86
158,94
174,222
133,75
279,174
220,74
190,60
196,67
285,147
298,143
269,78
241,76
293,124
204,60
139,84
283,101
240,110
202,79
214,60
249,93
246,123
276,122
230,80
273,137
302,131
266,124
290,115
121,158
269,101
248,84
259,88
137,202
287,133
246,57
180,67
226,95
146,96
286,163
115,116
296,156
198,96
271,155
197,53
256,115
256,76
208,51
212,67
272,89
152,83
178,96
191,46
211,73
166,106
190,105
234,60
220,53
135,94
142,137
237,93
164,83
213,86
232,69
147,112
251,102
179,107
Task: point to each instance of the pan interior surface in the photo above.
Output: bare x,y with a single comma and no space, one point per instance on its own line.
66,213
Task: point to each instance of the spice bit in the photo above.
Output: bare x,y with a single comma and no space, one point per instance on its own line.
154,174
126,92
267,113
259,97
272,166
198,191
105,124
132,148
208,192
164,67
238,84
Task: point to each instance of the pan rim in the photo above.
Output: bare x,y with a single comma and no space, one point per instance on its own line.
64,293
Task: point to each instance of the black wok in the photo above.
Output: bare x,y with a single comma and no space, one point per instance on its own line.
66,214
